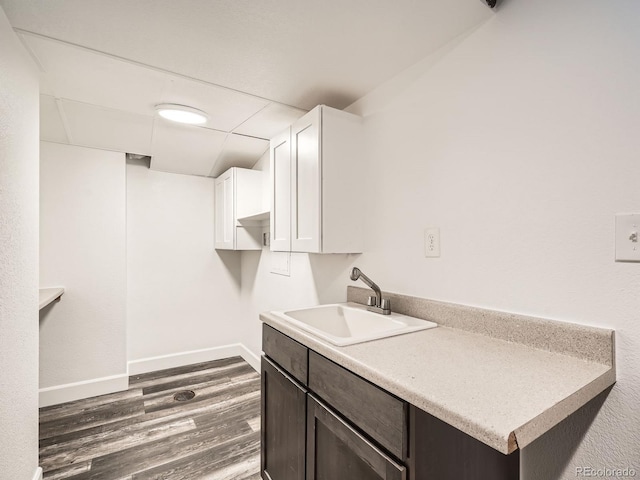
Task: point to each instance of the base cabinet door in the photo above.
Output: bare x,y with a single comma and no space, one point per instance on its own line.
283,425
442,452
336,451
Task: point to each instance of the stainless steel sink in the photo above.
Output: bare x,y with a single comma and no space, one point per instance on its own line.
349,323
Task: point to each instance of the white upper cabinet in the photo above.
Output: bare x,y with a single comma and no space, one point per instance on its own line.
316,203
238,197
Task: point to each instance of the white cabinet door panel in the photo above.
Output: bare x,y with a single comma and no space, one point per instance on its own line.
280,168
306,200
224,212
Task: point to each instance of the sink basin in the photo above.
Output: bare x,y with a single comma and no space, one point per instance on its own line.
349,323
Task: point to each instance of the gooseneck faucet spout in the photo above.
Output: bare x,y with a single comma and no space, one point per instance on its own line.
356,274
377,303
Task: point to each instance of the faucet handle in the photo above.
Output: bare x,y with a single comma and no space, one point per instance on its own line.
386,305
371,301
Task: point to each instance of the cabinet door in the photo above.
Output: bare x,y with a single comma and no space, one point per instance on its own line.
443,452
306,184
280,171
336,451
224,211
283,425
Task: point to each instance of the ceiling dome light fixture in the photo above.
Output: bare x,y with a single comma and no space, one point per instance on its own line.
181,113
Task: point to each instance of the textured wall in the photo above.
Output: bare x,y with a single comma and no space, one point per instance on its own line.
182,295
83,249
18,258
520,143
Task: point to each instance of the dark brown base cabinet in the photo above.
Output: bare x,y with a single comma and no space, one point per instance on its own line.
283,429
321,421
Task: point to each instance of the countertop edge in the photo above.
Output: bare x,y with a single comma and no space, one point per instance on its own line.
504,442
551,417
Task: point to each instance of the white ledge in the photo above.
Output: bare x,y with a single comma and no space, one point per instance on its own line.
257,219
48,295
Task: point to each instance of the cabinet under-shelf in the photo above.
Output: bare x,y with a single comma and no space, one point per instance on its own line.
256,219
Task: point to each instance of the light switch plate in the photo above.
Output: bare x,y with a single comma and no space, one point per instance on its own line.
628,237
432,242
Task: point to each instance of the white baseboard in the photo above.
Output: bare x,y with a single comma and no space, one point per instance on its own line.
38,474
117,383
88,388
250,357
151,364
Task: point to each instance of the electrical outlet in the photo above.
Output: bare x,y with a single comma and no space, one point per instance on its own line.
432,242
627,237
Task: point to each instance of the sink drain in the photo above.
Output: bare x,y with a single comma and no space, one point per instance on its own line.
184,396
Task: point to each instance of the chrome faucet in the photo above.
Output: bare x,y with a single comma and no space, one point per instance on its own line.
374,303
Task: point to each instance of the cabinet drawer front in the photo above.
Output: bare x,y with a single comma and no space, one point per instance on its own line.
336,450
286,352
377,413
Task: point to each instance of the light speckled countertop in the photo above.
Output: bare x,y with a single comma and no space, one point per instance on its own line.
502,393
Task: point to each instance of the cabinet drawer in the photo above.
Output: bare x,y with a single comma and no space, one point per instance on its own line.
377,413
286,352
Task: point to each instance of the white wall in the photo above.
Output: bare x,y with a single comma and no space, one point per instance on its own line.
182,295
18,258
83,249
144,288
520,143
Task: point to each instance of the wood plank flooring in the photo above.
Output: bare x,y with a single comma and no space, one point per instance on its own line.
145,434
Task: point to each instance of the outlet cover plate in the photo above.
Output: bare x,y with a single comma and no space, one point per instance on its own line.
628,237
432,242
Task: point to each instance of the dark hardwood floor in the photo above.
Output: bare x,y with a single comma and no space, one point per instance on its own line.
144,433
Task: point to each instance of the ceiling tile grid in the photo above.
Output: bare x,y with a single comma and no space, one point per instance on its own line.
99,101
254,67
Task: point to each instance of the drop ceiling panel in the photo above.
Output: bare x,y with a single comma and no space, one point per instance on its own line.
239,151
270,121
51,126
297,53
99,127
184,148
226,108
85,76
